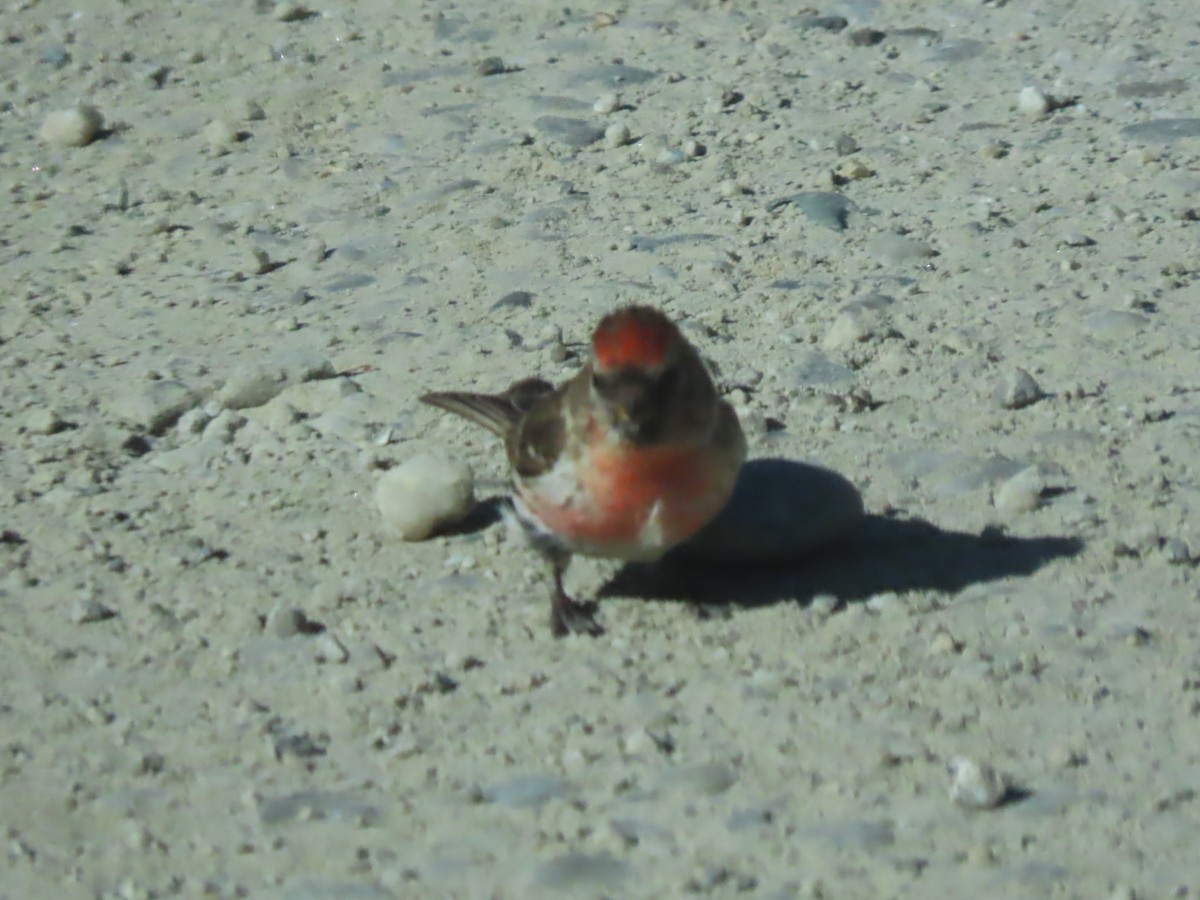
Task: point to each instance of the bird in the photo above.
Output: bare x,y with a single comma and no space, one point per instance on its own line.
625,460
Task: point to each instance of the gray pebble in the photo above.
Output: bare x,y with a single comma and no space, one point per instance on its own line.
866,37
285,621
490,65
86,611
1018,390
844,145
154,406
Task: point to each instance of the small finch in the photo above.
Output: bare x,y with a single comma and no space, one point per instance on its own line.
627,459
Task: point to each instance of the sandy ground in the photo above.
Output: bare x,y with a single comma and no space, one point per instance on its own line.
215,320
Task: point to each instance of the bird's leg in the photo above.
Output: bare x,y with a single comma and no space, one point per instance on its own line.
569,616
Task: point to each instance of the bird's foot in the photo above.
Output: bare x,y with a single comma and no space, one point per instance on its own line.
569,616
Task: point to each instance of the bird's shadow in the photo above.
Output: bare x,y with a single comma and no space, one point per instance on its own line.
877,555
794,530
747,556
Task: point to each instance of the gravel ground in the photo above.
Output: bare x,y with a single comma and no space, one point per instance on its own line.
947,250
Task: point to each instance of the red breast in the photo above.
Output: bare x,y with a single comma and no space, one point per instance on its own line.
634,501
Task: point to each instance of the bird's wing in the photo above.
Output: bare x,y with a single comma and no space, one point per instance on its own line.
537,440
498,413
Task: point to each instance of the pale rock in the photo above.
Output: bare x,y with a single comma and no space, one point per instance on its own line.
425,494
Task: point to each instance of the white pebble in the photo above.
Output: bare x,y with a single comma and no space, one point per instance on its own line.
43,420
220,134
424,494
330,650
1021,493
607,103
285,621
1033,102
76,127
976,786
1018,390
289,11
851,327
616,135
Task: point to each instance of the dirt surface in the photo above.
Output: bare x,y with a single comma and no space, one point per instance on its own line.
948,250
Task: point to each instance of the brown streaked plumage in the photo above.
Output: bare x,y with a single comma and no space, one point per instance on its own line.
627,459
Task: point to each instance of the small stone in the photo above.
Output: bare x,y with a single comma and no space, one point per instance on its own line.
285,621
330,649
851,327
291,11
888,601
154,407
89,610
1033,103
252,111
259,261
155,77
976,786
854,170
607,103
824,605
76,127
490,65
943,644
424,495
1021,493
1077,239
1018,390
617,135
845,144
220,134
43,420
255,384
865,37
995,149
1176,551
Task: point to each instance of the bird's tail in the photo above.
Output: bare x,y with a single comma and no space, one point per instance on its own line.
495,412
